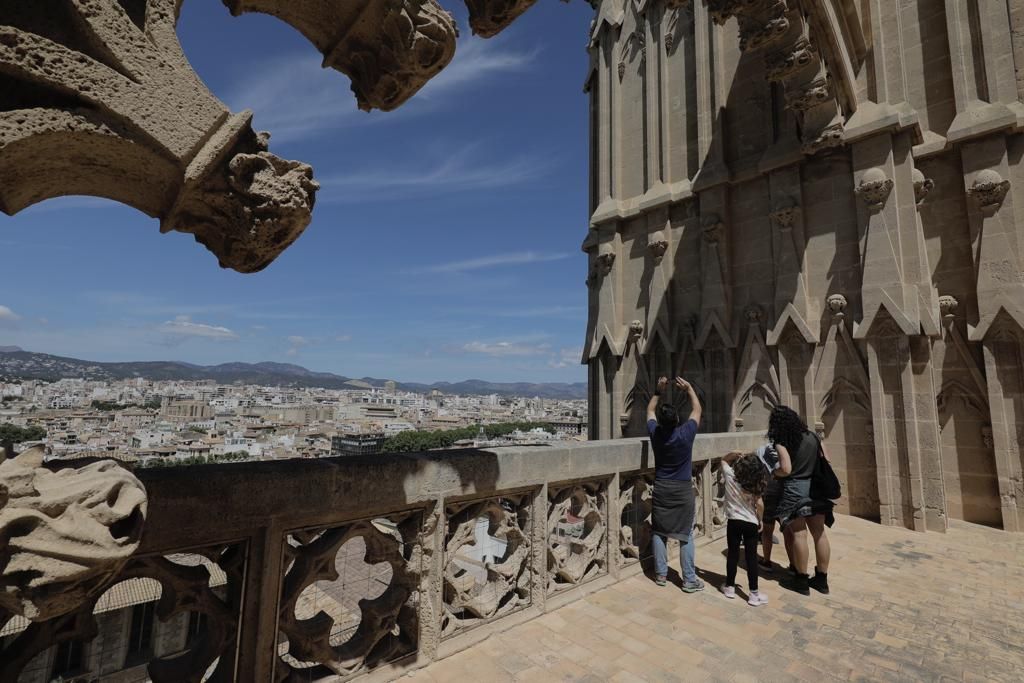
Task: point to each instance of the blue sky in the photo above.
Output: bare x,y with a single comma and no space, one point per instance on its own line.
444,244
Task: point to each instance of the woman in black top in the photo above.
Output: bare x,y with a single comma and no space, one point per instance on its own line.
799,449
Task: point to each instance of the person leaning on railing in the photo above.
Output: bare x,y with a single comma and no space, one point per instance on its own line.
673,507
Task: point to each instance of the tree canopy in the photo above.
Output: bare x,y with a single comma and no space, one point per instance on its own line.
415,442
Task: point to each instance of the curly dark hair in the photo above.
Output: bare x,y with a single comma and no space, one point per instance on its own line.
786,428
751,474
668,416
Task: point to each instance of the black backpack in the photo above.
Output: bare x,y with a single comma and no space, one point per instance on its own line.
824,482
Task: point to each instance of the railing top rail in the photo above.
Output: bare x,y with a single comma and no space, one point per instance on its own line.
190,506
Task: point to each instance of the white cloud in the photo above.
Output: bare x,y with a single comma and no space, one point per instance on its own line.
296,340
343,338
7,315
459,171
566,357
477,60
504,349
182,326
296,98
483,262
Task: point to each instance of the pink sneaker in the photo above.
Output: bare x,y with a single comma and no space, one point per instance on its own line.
729,591
757,598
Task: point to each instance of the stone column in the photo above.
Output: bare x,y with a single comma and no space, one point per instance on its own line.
997,233
903,394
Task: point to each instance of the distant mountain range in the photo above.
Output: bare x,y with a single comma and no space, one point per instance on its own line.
16,363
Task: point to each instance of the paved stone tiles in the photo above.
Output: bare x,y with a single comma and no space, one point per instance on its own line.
904,607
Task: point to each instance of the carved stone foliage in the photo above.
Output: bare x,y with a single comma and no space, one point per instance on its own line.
577,532
874,189
344,612
487,565
782,30
784,216
184,587
64,534
635,504
785,63
809,95
988,191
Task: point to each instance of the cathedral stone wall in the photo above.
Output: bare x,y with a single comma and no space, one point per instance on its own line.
819,204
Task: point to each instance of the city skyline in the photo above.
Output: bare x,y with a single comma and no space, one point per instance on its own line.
454,255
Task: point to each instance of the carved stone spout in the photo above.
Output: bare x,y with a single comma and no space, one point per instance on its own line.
65,533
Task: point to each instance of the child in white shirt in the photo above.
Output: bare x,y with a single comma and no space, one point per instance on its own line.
745,480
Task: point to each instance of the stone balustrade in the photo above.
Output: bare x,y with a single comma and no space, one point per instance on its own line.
336,568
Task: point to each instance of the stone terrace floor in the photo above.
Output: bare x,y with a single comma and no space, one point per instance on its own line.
904,607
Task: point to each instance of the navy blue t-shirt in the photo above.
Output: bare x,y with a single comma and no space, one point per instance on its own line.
673,451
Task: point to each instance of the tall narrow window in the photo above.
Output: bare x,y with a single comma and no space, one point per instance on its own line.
196,622
68,660
140,640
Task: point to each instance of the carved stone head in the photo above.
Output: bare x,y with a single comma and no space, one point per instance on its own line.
68,532
837,305
712,227
605,261
753,314
874,189
636,330
922,186
988,191
948,306
657,245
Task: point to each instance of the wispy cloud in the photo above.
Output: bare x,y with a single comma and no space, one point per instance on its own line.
539,312
498,260
460,170
296,98
182,327
8,316
504,348
566,357
343,338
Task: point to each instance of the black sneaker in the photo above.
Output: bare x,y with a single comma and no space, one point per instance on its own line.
766,567
797,584
819,582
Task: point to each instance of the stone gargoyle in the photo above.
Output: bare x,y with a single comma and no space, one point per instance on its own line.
63,533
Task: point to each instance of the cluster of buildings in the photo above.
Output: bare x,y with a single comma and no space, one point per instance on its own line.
152,423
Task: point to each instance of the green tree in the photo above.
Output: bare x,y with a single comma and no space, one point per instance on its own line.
12,434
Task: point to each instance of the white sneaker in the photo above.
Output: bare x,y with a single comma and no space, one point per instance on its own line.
757,598
729,591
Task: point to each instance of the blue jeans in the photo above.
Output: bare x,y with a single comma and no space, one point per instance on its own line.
687,557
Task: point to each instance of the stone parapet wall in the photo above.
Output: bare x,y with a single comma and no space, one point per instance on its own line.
370,566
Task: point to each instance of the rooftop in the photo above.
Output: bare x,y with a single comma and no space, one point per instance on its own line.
904,606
